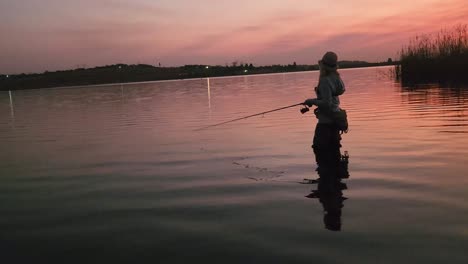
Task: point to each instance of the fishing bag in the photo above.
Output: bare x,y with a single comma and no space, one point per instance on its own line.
340,119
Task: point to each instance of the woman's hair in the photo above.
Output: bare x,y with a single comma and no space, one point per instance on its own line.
325,71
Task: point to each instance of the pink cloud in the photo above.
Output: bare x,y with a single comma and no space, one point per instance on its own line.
48,35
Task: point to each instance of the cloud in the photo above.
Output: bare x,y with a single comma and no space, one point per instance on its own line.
374,39
246,39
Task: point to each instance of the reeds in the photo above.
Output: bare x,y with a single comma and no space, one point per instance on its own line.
441,57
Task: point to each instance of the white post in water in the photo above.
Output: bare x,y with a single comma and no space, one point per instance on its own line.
11,107
209,93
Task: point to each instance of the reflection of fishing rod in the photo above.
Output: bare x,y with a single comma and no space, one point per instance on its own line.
303,110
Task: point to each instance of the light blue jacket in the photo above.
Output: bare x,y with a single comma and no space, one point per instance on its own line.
327,101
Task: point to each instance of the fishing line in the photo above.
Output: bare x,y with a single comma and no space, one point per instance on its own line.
303,110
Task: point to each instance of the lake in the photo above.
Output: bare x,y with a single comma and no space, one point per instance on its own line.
119,173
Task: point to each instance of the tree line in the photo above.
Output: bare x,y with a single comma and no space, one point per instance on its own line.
123,73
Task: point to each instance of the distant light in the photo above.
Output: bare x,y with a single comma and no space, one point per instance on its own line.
245,71
207,67
8,76
120,67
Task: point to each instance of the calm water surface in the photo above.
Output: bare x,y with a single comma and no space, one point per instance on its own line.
114,174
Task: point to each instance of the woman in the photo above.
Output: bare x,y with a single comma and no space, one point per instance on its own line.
330,86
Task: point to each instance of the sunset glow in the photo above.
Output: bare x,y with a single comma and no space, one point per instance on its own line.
53,35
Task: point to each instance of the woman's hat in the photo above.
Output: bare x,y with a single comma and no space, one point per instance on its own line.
329,60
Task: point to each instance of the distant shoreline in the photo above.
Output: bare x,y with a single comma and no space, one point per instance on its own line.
121,74
187,79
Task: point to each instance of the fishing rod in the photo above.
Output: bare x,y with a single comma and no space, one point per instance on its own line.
303,110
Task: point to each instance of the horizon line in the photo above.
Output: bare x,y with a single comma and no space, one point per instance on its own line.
178,66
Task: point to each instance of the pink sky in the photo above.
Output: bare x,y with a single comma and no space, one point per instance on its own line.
39,35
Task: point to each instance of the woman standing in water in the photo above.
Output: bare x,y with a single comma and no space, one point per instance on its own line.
328,90
332,166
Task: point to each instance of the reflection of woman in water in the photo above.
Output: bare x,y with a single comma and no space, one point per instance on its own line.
332,168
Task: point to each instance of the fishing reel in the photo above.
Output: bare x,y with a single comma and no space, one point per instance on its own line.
304,110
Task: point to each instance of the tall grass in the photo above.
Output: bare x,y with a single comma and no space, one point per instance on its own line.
441,57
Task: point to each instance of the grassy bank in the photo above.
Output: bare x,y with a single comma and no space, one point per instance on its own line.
440,58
